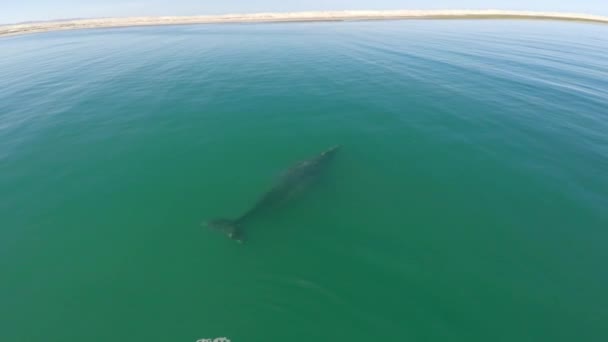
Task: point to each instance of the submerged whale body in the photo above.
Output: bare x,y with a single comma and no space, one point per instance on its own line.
295,178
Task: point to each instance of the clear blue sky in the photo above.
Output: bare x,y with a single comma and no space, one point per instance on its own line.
23,10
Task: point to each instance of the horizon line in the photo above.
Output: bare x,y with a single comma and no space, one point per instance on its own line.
305,16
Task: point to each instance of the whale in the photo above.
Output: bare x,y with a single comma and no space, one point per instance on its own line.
295,179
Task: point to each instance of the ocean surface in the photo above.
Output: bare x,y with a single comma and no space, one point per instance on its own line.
469,201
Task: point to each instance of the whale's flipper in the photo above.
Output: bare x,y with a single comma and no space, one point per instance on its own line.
229,227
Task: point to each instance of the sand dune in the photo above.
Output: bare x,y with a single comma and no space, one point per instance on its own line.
7,30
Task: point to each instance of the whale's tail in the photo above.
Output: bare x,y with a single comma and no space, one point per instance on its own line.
229,227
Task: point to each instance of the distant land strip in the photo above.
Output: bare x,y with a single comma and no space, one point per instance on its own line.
37,27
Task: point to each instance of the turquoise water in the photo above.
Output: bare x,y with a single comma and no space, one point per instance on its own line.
468,202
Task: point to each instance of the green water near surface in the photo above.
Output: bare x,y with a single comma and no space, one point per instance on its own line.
468,202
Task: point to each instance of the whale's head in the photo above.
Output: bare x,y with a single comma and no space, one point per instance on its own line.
329,153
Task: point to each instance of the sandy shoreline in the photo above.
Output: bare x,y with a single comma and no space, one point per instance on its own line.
16,29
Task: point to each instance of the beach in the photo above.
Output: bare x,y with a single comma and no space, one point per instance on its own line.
46,26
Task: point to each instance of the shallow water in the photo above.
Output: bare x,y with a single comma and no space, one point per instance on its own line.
468,202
